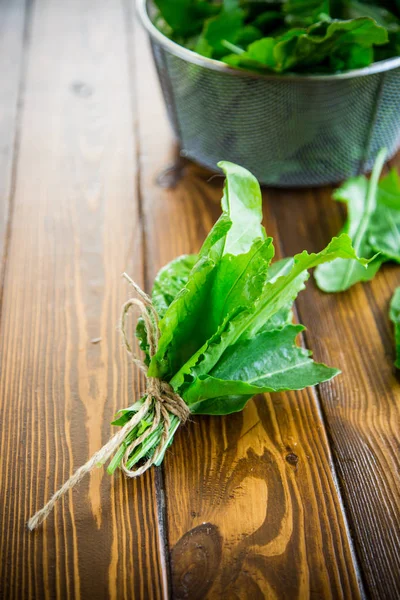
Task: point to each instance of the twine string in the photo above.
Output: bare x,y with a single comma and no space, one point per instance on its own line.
160,401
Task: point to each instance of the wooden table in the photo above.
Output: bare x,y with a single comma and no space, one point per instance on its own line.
296,497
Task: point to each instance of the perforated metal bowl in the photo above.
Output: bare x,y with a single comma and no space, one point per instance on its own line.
289,130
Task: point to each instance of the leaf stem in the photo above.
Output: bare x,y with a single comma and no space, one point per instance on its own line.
371,194
175,422
370,206
232,47
147,447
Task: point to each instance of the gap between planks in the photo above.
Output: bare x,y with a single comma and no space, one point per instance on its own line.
332,464
162,515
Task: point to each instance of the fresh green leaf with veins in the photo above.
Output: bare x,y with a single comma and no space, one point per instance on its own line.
373,223
225,318
286,35
268,362
394,314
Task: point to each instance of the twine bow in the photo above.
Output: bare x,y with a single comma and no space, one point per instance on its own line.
159,398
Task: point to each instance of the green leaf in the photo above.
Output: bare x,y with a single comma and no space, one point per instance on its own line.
341,277
170,280
242,201
125,414
302,13
274,54
185,17
384,230
167,284
284,289
226,29
361,197
268,21
214,243
284,315
227,278
394,315
351,56
279,268
244,260
276,295
222,405
247,35
180,335
389,190
269,362
225,26
239,281
384,233
300,48
288,35
272,361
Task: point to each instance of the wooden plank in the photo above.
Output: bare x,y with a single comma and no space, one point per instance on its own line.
75,229
12,23
253,509
361,407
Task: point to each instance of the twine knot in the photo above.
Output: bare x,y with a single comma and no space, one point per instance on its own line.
159,402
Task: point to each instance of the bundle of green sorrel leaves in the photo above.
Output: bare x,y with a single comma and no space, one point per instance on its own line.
285,35
226,329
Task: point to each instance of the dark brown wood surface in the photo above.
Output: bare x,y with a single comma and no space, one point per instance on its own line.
296,497
75,228
361,408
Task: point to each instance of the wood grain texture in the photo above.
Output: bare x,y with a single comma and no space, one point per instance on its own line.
12,26
361,408
252,506
75,229
253,510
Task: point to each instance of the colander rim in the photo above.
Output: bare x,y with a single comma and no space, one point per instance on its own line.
216,65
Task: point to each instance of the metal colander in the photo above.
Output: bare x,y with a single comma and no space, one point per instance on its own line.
289,130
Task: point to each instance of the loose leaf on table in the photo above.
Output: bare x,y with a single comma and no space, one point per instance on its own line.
384,233
394,314
389,190
373,223
384,230
361,198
